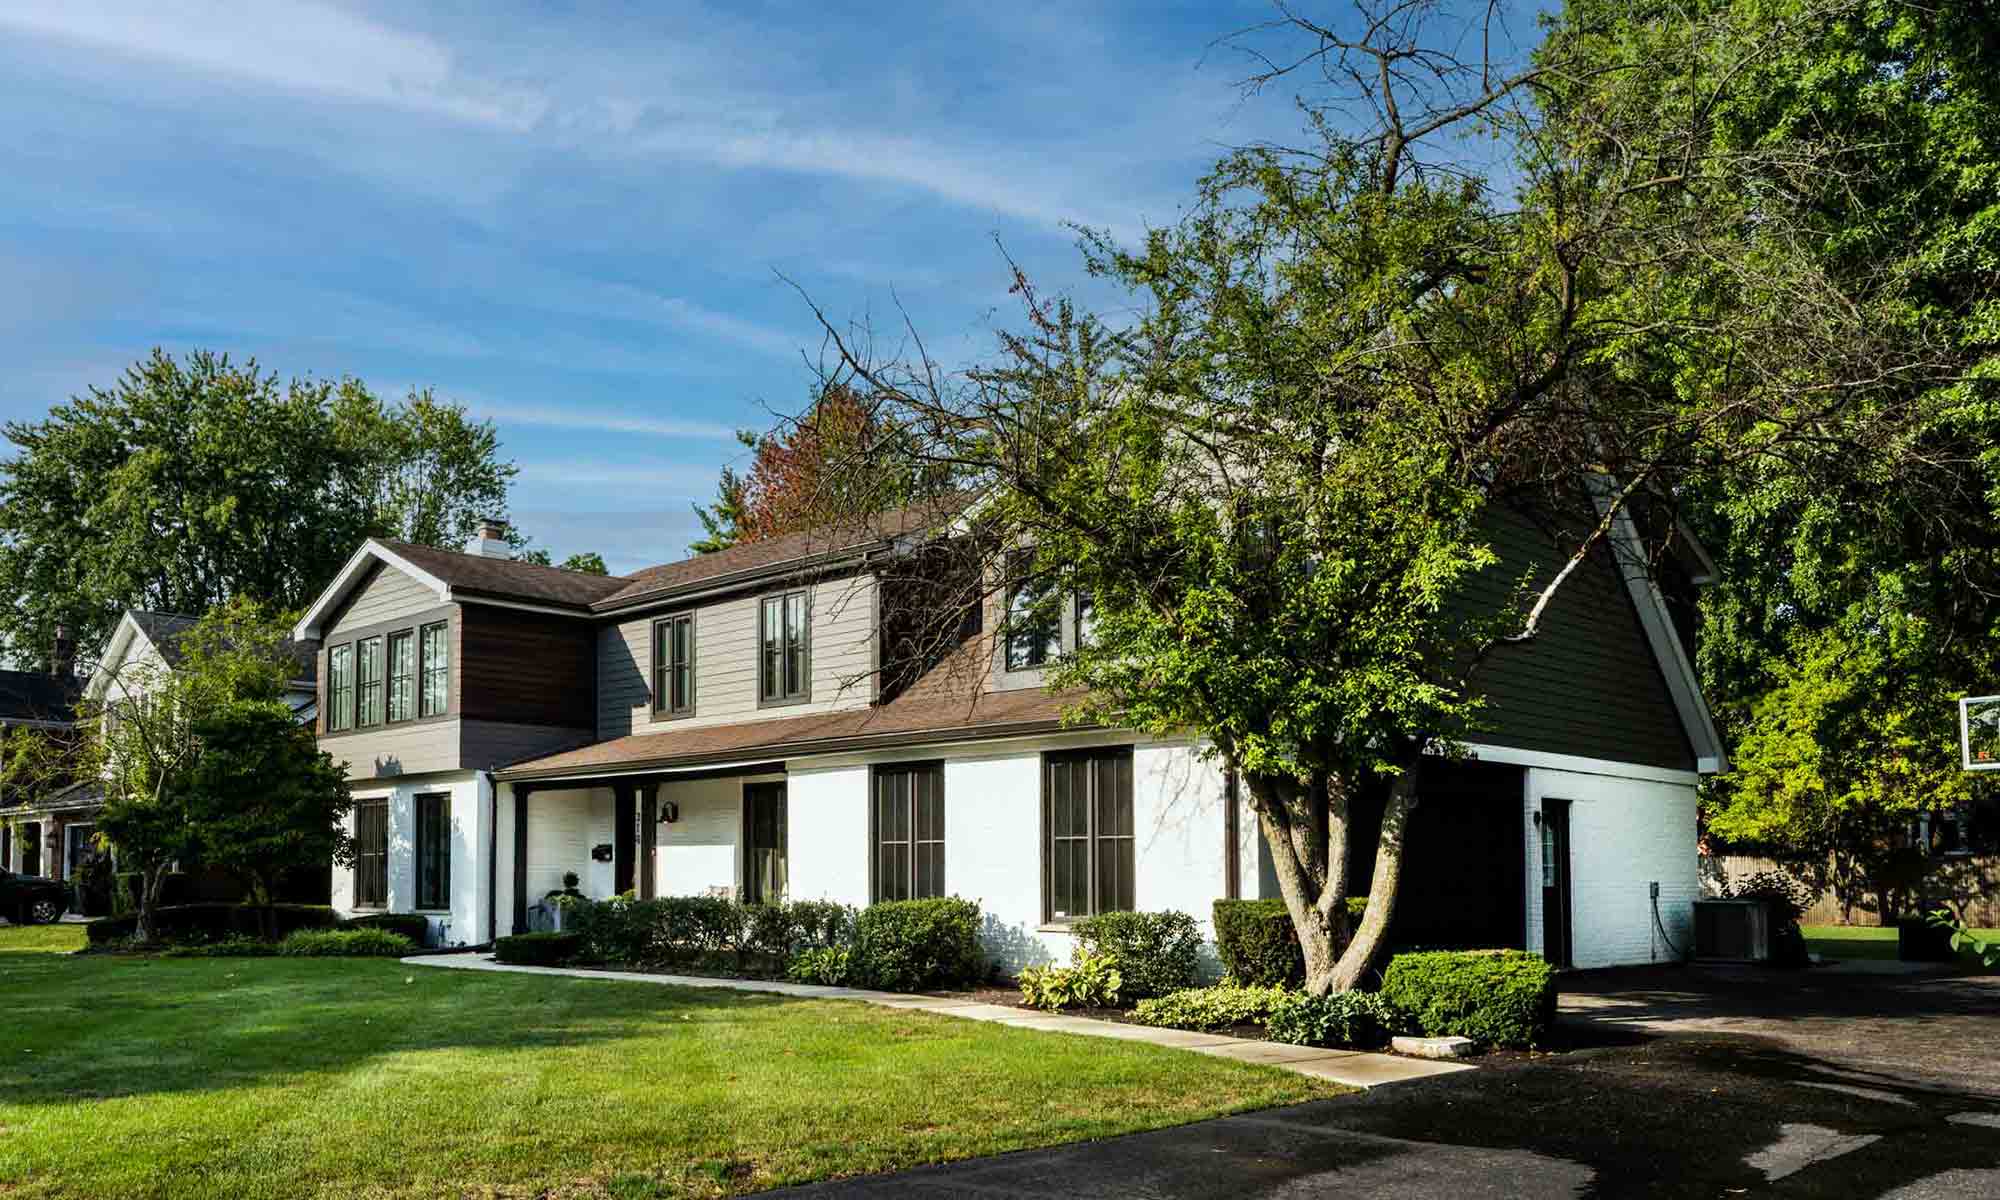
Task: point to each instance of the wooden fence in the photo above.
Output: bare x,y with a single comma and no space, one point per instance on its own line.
1968,884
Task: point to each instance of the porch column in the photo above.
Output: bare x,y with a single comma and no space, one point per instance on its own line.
649,837
624,836
521,791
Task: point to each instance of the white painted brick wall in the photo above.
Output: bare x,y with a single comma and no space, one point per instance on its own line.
465,923
1624,834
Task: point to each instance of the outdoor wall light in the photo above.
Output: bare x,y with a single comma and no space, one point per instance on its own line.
669,813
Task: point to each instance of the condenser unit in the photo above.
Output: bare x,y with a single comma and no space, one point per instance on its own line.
1732,930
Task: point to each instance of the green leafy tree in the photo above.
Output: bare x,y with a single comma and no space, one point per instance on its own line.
587,562
1277,486
188,482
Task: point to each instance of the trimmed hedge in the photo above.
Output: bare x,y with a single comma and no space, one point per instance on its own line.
538,949
1362,1020
345,943
1256,942
414,926
213,922
1203,1009
687,930
1156,952
915,945
1495,997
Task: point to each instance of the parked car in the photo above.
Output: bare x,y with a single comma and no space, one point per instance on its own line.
31,900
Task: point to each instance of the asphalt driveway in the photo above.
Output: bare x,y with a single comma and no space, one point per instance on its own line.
1673,1082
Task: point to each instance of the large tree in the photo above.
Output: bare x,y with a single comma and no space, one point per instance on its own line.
1276,486
188,482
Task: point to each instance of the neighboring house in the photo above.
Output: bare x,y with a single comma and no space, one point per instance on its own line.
33,832
720,724
142,645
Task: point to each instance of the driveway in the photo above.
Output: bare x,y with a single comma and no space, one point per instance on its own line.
1697,1081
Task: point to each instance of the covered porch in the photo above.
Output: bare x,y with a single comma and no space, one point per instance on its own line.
712,831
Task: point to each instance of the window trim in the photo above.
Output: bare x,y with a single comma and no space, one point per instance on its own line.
354,883
424,668
1049,919
361,684
418,829
389,677
335,711
663,708
875,774
764,604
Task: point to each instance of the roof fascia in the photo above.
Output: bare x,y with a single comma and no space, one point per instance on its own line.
309,628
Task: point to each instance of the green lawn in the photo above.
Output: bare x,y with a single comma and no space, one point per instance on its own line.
246,1078
1865,941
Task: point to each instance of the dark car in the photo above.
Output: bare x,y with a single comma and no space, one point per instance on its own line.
31,900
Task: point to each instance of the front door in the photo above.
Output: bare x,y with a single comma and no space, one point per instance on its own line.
1555,882
76,840
764,876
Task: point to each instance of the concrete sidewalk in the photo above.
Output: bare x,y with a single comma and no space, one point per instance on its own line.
1352,1067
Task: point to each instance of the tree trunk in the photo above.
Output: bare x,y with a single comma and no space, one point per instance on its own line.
151,879
1366,945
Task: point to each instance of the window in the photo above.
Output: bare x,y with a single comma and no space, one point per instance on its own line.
781,625
1087,833
402,675
765,875
31,848
673,665
369,651
1086,620
436,652
340,688
1034,635
434,850
909,832
371,853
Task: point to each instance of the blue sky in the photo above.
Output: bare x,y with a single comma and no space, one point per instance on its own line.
569,217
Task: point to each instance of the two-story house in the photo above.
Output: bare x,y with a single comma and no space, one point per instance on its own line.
722,723
32,831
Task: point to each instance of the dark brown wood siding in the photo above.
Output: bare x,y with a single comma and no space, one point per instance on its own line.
526,668
1588,684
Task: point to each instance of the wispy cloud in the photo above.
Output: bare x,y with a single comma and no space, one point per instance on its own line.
673,479
597,420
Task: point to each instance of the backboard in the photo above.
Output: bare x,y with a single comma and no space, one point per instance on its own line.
1979,732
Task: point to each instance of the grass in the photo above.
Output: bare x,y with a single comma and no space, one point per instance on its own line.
245,1078
1867,941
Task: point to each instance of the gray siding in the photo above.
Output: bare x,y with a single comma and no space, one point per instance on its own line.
394,750
386,595
1588,684
843,632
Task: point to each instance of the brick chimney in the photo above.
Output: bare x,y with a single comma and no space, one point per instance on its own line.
491,540
62,657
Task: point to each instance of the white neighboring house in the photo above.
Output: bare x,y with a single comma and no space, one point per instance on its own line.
720,723
141,645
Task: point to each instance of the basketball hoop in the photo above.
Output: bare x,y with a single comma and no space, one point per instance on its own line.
1979,732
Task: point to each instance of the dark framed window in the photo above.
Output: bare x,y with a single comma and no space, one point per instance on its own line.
1087,842
371,853
1034,628
673,665
783,632
31,848
434,850
1086,620
368,656
340,688
402,675
435,649
908,821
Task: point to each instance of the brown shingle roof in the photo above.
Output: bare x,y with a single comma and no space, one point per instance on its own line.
508,578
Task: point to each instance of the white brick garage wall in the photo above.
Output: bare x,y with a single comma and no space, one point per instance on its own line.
1629,827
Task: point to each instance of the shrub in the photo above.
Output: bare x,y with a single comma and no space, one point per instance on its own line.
771,929
1219,1007
824,923
1360,1019
1495,997
829,965
537,949
1157,952
414,926
345,943
236,945
212,922
1090,980
1255,941
1789,899
911,945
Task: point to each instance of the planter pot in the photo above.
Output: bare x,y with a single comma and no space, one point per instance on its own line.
1917,940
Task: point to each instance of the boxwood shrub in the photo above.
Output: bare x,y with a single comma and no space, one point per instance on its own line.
345,943
1495,997
1156,952
914,945
414,926
1362,1020
537,949
1203,1009
1256,942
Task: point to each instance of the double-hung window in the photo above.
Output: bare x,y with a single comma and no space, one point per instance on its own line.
1087,843
673,665
435,648
340,689
369,653
402,675
782,636
909,831
434,850
1034,627
371,853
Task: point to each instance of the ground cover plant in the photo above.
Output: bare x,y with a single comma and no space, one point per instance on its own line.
253,1078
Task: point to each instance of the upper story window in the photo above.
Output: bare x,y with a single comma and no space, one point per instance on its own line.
340,688
1086,620
782,635
673,665
402,675
436,652
369,653
1033,626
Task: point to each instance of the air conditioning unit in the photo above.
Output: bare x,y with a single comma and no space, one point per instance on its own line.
1732,930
